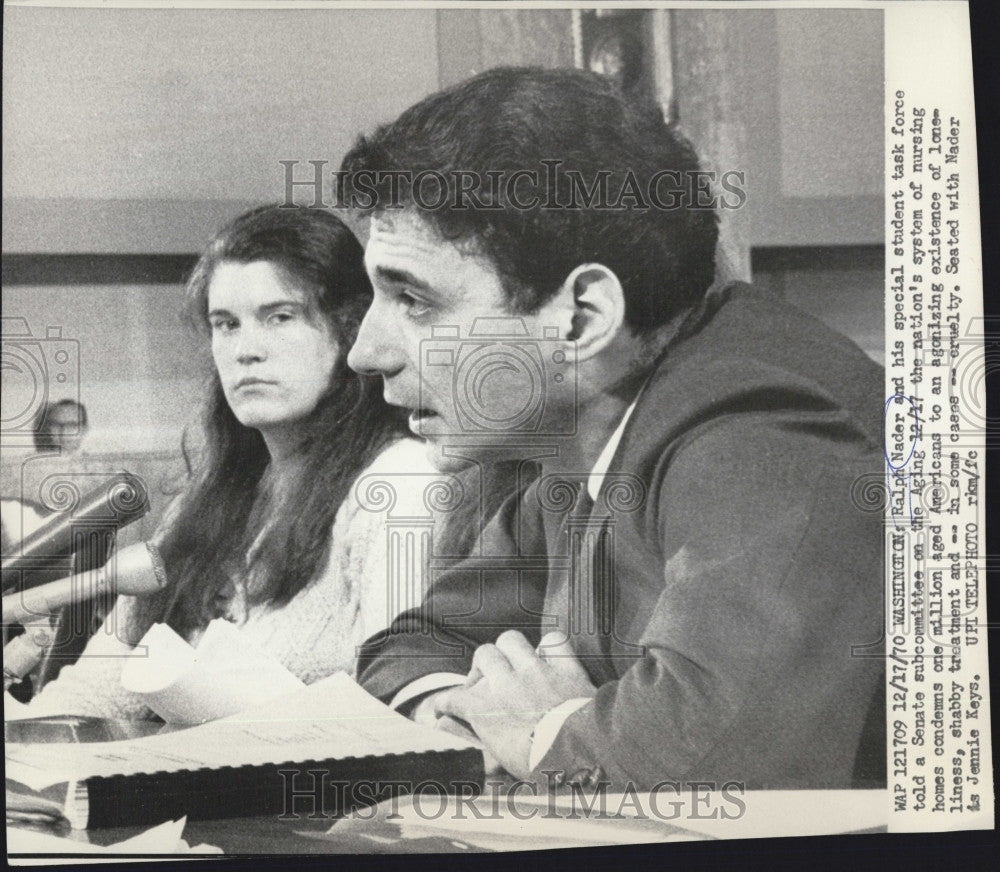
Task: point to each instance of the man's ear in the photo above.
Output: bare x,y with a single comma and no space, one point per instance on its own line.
598,308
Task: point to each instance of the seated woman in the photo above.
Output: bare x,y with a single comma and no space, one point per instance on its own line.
269,532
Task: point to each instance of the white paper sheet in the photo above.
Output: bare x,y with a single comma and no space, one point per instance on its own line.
222,676
331,719
162,839
14,710
516,819
749,814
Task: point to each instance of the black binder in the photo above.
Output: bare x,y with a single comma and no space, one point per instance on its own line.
311,788
271,761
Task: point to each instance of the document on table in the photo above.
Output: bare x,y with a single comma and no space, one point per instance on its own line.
510,817
162,839
331,719
221,676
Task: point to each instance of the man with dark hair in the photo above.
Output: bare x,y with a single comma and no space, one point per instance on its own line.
518,163
679,593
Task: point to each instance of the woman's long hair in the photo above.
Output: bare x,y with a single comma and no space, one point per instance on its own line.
226,512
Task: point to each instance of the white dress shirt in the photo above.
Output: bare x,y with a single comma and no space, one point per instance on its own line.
551,722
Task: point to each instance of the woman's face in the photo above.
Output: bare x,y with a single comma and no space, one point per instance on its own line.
274,356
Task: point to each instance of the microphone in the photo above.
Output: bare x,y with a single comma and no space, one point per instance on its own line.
23,653
138,570
118,502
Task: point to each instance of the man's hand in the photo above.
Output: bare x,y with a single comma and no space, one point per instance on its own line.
425,712
510,688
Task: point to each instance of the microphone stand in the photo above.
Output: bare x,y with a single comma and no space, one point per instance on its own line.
116,503
23,653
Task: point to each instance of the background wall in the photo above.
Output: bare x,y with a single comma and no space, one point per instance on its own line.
130,135
137,361
793,99
139,132
146,127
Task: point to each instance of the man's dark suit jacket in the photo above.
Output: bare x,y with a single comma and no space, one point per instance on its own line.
731,609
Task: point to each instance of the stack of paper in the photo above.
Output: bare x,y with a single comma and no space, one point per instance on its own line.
222,676
164,839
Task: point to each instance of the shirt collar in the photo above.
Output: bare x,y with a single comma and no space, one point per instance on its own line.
600,468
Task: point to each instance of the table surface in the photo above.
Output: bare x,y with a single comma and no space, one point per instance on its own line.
257,835
381,831
235,836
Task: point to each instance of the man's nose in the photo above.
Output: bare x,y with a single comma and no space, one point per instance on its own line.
376,350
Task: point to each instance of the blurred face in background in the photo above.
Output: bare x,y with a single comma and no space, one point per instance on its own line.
65,427
274,353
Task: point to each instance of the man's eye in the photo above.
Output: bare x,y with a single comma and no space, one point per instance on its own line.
415,307
279,317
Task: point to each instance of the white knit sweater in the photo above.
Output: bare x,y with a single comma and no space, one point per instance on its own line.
319,631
